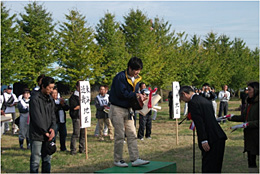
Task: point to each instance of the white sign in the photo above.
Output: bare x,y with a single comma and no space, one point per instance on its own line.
85,112
176,100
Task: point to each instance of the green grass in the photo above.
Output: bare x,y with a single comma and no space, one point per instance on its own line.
162,147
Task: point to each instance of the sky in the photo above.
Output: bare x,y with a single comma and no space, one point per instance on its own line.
235,19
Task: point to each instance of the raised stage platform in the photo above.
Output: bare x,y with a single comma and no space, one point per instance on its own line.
153,167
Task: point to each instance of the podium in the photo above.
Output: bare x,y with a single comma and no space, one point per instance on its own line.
152,167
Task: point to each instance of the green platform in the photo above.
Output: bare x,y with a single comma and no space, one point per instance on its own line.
153,167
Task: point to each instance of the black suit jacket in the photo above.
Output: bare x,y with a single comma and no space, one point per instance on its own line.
202,114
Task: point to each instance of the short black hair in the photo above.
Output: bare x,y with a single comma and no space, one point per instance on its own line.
55,88
140,85
224,86
40,77
186,89
46,81
102,86
205,84
77,84
26,90
135,63
255,86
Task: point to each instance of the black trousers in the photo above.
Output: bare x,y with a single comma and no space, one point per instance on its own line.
145,122
171,112
251,160
223,106
213,159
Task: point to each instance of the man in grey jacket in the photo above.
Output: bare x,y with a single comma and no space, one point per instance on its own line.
42,125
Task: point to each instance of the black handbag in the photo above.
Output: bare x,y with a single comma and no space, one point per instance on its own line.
17,121
49,148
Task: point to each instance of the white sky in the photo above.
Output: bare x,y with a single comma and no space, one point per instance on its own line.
238,19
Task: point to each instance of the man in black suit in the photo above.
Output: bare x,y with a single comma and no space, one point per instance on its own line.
211,137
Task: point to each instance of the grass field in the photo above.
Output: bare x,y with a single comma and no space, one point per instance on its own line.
162,147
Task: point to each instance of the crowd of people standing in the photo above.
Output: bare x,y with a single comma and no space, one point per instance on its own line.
43,116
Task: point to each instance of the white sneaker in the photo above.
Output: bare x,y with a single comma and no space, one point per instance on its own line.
149,137
120,163
142,139
139,162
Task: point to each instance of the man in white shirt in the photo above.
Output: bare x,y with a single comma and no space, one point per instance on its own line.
224,97
11,101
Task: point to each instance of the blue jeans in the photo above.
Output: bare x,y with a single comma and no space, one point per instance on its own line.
61,128
36,156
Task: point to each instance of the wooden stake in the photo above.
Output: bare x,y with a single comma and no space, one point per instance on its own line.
86,142
177,136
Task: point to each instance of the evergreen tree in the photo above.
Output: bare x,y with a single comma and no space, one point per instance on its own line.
167,43
244,65
37,35
78,55
111,40
254,64
12,52
141,42
221,70
210,62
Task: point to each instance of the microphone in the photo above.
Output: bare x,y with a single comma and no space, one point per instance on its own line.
183,120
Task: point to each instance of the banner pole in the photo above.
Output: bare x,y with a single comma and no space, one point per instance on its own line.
86,142
177,132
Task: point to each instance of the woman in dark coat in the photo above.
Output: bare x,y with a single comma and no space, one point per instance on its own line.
251,131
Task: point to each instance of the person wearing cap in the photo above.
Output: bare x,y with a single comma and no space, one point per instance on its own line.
243,98
145,121
250,117
24,119
10,103
124,89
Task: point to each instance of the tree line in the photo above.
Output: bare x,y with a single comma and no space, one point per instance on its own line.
33,42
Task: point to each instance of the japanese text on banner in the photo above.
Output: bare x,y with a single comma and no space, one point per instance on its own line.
85,112
176,99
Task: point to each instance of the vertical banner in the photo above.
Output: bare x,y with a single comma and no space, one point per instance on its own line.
176,100
85,112
176,106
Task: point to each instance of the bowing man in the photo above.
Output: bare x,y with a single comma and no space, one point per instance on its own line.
211,137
